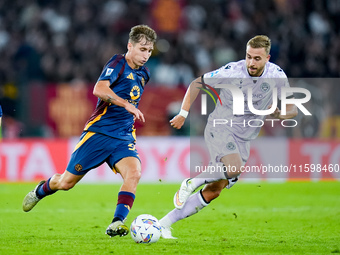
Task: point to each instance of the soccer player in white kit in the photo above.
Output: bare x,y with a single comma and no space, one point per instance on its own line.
229,144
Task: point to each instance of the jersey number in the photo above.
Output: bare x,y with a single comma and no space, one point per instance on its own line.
132,147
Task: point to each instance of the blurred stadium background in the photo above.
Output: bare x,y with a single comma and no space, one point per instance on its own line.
52,53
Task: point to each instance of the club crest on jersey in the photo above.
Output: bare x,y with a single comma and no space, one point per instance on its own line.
135,92
78,167
265,87
109,71
231,146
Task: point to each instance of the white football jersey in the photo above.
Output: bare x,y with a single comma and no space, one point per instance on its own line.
244,126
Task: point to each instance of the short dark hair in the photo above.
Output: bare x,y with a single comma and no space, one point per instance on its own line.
260,41
139,32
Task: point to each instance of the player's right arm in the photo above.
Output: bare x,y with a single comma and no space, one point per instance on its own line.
189,97
193,91
103,91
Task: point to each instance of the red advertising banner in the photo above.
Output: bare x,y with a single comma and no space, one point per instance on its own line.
169,158
31,159
314,159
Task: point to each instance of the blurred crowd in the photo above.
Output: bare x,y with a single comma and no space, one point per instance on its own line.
57,41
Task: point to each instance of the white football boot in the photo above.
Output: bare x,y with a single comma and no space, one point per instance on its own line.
166,233
117,228
183,193
31,198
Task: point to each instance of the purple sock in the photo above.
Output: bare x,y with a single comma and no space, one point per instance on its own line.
44,190
124,204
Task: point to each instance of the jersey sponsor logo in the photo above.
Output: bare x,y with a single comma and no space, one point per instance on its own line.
135,93
130,76
109,71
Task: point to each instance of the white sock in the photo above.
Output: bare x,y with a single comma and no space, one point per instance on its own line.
194,204
165,221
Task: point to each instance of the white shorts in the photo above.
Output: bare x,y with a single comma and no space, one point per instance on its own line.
222,143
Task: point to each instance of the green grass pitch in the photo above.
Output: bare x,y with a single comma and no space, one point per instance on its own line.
250,218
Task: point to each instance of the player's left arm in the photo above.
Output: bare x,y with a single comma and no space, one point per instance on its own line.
291,112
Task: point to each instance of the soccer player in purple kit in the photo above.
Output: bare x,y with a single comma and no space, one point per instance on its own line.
109,135
229,146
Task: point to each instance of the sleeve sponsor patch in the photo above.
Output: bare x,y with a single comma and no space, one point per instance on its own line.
109,71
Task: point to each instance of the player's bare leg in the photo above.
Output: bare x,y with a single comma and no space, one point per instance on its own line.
213,190
57,182
64,181
235,162
130,170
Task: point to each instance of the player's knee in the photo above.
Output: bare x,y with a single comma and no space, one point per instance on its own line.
135,174
138,174
234,173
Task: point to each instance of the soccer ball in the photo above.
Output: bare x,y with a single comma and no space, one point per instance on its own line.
145,229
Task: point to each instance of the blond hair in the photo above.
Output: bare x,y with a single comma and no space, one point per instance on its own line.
260,41
139,32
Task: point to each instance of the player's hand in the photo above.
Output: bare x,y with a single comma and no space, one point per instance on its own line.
177,121
276,113
137,114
